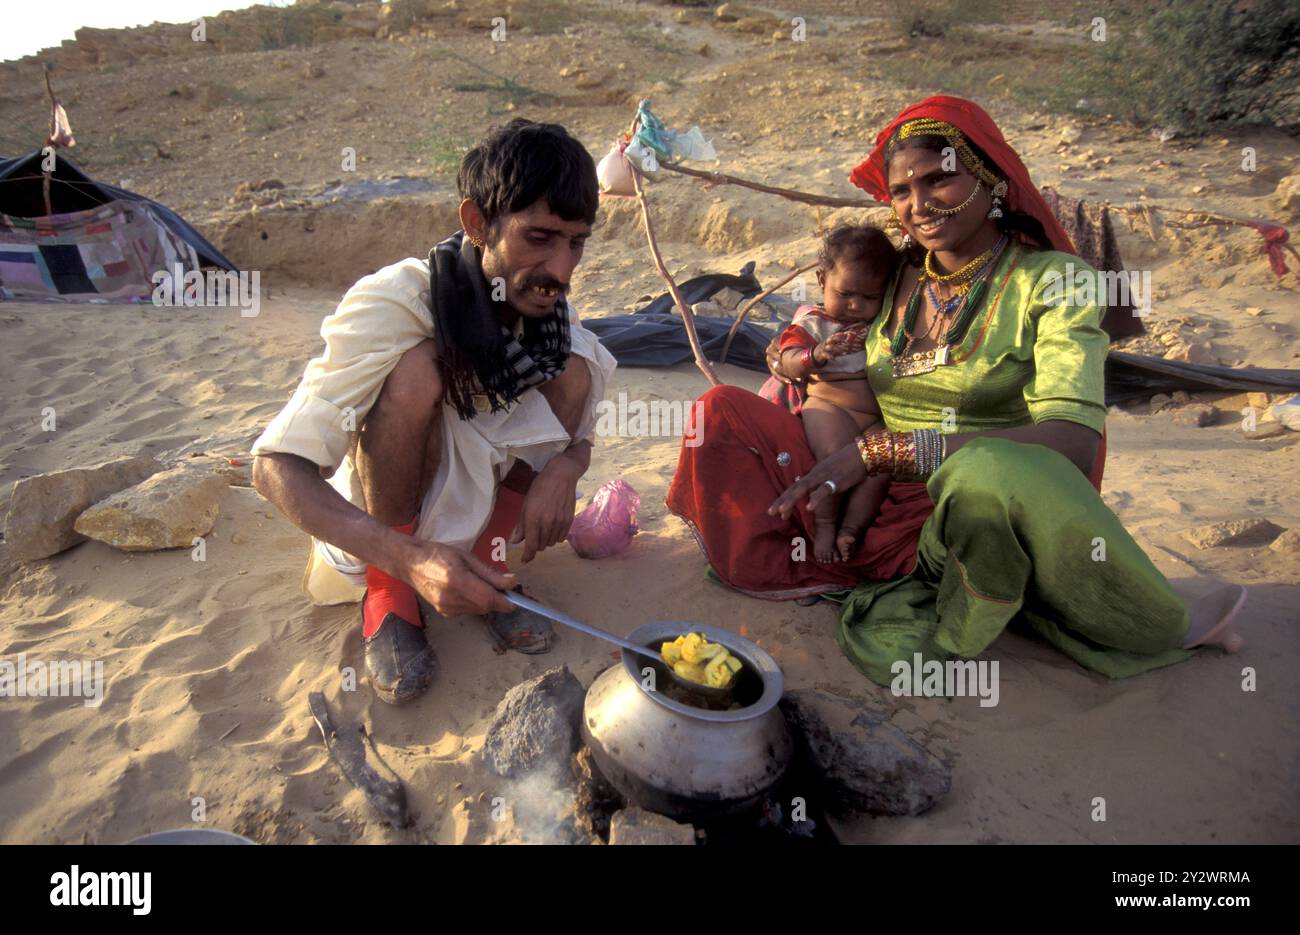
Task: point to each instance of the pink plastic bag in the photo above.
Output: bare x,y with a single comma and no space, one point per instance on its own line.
607,525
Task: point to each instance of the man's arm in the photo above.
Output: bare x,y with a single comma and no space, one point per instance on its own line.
451,580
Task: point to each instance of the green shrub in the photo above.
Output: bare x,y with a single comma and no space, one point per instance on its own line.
1199,65
933,19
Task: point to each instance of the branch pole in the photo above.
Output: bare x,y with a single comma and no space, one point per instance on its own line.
721,178
688,317
744,309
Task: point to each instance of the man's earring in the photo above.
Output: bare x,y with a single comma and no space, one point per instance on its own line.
476,242
999,192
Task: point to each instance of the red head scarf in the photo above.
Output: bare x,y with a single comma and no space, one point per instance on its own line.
978,127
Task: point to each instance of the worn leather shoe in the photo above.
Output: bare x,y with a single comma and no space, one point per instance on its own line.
399,661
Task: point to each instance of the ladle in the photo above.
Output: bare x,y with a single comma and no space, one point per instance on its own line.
704,691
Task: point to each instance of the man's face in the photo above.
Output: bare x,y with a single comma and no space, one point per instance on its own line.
534,252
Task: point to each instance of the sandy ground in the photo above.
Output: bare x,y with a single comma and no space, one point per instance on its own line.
208,665
194,652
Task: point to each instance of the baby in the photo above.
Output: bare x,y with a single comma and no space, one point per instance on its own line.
824,345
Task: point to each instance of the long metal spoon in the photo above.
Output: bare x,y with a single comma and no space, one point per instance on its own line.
526,603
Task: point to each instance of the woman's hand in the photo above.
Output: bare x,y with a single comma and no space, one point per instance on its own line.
844,467
773,356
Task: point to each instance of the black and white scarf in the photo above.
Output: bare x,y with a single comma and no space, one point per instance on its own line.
480,356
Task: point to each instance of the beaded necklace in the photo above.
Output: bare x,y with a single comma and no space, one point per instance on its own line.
971,301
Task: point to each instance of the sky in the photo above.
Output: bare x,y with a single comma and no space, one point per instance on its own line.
32,26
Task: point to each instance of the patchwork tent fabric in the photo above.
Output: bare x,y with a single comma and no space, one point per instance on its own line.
101,243
106,254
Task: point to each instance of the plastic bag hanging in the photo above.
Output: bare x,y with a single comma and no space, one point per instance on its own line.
614,174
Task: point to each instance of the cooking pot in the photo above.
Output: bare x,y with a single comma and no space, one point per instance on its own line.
667,752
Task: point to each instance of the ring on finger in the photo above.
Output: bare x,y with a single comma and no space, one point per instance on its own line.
831,485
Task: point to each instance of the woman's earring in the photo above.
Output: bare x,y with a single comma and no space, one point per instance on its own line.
893,223
999,192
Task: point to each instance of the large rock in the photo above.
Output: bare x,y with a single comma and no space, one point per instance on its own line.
1287,197
1288,413
1265,429
1235,532
1197,415
595,800
638,826
867,764
167,511
1289,541
44,508
535,724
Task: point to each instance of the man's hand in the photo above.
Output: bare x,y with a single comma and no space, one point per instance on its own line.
548,506
455,582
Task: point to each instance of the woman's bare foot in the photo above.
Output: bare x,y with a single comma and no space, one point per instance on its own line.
824,541
845,542
1213,617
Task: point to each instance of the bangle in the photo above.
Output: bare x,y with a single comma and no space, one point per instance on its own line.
877,451
809,358
905,454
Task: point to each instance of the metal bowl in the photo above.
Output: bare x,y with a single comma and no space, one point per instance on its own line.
680,759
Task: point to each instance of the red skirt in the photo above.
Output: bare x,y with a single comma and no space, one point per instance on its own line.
728,475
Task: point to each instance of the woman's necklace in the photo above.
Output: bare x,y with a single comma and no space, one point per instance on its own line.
962,277
970,297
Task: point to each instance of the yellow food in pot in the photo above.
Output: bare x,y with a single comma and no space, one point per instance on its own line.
697,660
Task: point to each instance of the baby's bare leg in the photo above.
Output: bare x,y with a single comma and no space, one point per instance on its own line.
864,500
828,429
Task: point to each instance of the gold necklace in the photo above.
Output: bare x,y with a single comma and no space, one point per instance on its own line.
965,273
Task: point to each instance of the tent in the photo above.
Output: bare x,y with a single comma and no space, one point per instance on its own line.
101,243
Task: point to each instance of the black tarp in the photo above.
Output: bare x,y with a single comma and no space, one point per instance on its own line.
72,190
653,336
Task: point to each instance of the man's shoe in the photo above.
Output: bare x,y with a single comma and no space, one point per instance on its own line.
399,662
522,630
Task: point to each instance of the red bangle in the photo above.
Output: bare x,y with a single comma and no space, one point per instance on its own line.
807,358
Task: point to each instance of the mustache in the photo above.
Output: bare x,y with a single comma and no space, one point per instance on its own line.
545,282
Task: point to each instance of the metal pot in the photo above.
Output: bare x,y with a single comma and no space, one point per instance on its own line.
679,759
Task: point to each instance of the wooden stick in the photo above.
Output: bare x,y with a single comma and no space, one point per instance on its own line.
688,317
744,309
49,141
721,178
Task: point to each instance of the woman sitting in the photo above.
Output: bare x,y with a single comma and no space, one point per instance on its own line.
990,386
